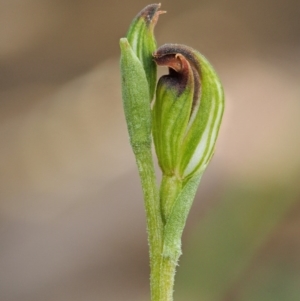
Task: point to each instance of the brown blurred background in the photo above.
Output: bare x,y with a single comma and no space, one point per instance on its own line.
72,223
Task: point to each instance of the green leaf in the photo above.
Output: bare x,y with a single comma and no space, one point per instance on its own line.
135,94
177,219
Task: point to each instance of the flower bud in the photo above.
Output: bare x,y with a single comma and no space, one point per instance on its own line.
187,112
138,72
142,41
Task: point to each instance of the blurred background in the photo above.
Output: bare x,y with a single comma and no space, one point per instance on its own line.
72,223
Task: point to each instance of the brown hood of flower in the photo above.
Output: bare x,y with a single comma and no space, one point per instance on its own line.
181,63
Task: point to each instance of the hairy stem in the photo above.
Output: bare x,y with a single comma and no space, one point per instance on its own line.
170,188
167,276
154,221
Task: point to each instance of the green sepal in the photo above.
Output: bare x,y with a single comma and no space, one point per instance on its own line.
135,94
141,38
200,139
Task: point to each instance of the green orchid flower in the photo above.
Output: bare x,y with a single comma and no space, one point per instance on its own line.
187,112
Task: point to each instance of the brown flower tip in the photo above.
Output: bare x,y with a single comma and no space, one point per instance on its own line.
183,64
173,49
150,14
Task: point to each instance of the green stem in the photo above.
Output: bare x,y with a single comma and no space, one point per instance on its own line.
170,188
163,236
154,221
167,276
